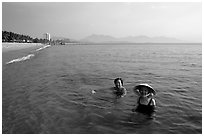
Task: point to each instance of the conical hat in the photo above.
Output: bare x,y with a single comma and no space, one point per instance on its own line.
151,90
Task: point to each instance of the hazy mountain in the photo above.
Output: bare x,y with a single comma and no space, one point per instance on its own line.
99,38
130,39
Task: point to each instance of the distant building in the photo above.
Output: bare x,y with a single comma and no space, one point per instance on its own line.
46,36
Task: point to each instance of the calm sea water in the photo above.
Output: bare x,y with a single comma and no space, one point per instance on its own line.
50,91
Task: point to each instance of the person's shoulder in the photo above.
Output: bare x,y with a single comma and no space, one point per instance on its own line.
153,102
123,88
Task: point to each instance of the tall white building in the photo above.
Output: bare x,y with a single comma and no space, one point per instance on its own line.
46,36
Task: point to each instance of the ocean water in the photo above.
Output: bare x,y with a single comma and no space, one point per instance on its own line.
50,91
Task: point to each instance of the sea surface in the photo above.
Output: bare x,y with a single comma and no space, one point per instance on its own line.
50,90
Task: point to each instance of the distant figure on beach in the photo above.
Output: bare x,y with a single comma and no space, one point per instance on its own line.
119,89
146,104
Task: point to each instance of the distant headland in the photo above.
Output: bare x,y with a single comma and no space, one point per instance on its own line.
142,39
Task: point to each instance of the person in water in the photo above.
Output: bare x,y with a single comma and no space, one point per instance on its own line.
146,103
119,89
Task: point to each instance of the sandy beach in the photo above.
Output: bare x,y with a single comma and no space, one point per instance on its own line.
17,46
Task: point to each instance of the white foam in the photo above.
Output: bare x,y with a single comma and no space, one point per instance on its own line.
93,91
28,56
43,47
21,59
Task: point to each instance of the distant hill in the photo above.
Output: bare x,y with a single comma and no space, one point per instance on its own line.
99,38
131,39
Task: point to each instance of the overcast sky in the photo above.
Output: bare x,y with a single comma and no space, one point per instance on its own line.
78,20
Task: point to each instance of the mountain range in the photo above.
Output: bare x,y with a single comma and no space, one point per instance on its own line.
130,39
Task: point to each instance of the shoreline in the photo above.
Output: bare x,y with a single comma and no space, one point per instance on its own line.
18,46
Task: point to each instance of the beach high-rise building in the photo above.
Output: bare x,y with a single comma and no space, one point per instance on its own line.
46,36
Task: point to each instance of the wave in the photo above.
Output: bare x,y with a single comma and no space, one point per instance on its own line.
28,56
21,59
43,47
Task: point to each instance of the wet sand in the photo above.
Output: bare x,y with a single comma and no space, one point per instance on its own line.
17,46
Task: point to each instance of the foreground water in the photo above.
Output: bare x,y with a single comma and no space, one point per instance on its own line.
51,92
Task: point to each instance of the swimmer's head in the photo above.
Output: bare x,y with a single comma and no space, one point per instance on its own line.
144,91
118,82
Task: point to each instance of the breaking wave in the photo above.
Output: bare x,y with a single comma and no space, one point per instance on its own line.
28,56
21,59
43,47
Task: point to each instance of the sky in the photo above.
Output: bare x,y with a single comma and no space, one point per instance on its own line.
77,20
